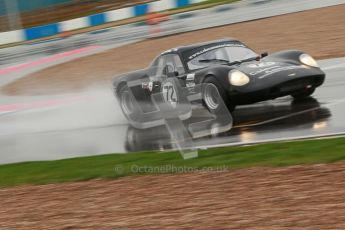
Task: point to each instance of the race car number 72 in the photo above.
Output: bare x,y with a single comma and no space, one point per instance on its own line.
169,93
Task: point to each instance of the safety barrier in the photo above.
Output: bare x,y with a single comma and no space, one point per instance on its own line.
92,20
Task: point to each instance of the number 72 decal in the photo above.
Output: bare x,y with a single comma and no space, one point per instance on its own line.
169,93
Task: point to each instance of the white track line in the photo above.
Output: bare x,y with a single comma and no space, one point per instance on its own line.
339,66
288,139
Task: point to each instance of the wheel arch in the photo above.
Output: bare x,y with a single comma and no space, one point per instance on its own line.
207,76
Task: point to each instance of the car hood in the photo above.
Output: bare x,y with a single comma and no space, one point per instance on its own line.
269,73
268,69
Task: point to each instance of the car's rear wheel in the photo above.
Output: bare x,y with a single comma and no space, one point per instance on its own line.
303,93
126,101
213,94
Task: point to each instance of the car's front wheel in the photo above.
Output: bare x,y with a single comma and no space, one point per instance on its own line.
303,93
214,94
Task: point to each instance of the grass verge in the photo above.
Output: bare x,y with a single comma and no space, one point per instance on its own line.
115,165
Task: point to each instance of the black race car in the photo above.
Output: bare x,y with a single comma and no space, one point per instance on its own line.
228,66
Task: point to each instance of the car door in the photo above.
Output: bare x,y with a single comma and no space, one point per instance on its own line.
173,61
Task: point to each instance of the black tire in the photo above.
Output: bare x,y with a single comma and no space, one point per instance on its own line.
303,93
126,101
211,82
141,100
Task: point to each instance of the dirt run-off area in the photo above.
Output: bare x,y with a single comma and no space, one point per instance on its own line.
318,32
304,197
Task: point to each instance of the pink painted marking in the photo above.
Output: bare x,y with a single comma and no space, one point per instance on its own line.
38,104
44,60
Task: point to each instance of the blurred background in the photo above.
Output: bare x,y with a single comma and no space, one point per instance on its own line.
17,14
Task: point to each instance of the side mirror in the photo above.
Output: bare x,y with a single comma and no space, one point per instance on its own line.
264,54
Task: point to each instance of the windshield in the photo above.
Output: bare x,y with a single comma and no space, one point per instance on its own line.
225,54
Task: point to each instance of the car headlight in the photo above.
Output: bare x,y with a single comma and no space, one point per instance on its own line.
238,78
306,59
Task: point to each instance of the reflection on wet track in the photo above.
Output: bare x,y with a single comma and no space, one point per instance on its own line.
248,121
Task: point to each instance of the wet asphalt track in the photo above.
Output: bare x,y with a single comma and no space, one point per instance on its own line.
91,123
